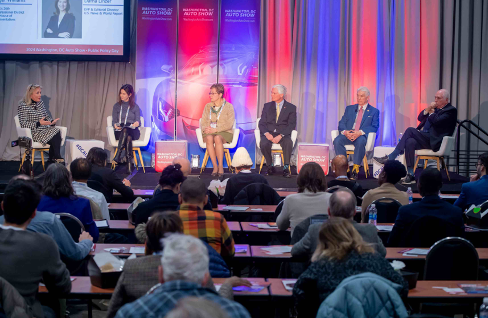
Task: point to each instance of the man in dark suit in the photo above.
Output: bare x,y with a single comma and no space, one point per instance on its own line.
436,121
357,122
278,120
476,191
430,182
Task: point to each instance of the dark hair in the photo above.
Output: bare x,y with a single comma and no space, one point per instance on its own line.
312,178
57,9
171,176
57,182
20,200
430,182
97,156
130,91
160,224
193,190
219,88
394,171
483,158
80,169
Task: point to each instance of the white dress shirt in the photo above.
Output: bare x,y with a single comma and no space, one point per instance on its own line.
83,190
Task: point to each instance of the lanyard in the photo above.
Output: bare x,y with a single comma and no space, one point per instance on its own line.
218,116
126,114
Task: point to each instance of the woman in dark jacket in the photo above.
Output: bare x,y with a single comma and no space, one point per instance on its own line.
341,253
62,23
166,199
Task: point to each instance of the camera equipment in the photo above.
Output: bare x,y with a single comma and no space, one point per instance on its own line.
25,142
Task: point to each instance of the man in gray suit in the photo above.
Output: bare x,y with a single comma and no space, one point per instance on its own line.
342,204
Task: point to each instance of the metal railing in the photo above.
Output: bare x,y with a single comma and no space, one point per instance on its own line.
466,153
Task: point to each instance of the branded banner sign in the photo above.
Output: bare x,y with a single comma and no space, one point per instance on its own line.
318,153
166,151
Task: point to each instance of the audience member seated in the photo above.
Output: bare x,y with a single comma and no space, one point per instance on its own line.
340,167
59,197
476,191
140,274
185,168
183,272
430,183
341,253
80,172
242,162
311,198
342,204
166,199
209,226
195,307
107,177
393,171
29,258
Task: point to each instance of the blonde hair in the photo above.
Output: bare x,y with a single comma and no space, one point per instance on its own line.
337,238
30,89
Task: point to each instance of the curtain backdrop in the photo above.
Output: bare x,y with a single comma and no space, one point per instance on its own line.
403,51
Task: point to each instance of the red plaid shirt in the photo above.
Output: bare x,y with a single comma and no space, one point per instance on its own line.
208,226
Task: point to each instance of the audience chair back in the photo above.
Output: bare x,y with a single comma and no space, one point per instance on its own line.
257,194
387,210
452,258
72,224
333,189
428,230
278,209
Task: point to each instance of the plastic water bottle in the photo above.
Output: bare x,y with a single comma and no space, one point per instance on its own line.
373,214
484,308
410,195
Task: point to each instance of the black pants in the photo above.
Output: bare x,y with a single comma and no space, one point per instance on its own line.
134,133
413,140
55,147
285,143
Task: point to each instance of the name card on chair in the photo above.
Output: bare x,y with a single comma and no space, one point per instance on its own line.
318,153
166,151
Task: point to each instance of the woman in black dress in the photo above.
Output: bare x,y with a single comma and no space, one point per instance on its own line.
126,121
62,23
33,115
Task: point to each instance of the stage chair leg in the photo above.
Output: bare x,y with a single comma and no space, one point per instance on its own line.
22,161
416,163
32,159
135,159
366,167
227,158
262,162
445,167
42,160
438,164
204,162
140,159
425,163
113,163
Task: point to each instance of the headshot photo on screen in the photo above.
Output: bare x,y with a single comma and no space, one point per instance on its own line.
61,19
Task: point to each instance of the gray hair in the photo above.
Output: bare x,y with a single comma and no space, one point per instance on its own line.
197,307
30,89
184,258
363,89
343,203
281,89
445,93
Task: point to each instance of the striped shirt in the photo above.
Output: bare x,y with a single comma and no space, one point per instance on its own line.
209,226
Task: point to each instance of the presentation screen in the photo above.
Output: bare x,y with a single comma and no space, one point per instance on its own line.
64,29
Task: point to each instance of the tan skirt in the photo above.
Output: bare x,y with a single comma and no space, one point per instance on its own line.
224,134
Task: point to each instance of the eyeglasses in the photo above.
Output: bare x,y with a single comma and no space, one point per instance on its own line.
213,93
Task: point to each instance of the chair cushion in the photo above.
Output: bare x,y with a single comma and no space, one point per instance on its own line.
427,152
38,145
276,147
350,147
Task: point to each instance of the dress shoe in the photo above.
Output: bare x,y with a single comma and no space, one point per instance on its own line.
286,173
409,179
381,160
354,175
270,171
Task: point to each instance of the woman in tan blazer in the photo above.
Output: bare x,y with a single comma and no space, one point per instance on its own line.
217,127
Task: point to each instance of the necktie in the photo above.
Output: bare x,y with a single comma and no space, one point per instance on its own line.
359,119
277,112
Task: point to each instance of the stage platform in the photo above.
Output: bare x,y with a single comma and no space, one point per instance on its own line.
150,179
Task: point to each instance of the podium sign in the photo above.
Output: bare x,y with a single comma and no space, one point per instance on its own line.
166,151
318,153
79,149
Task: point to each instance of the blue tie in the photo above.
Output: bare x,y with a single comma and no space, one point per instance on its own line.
427,125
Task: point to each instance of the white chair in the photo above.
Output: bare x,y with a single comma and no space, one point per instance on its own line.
26,132
275,148
445,149
350,148
143,141
227,146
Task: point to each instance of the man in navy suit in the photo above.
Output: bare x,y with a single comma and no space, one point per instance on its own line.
430,182
438,120
358,121
476,191
278,120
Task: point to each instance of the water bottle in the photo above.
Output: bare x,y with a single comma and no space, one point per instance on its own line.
373,214
484,308
410,195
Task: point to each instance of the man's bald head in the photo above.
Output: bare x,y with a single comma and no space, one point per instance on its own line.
185,165
342,204
339,165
